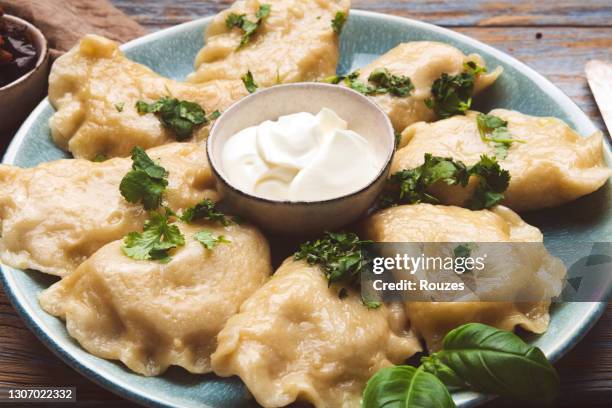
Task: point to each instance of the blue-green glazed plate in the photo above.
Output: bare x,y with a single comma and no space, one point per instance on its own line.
171,53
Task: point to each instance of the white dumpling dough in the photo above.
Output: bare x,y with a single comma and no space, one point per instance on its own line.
295,43
55,215
554,165
296,340
88,83
535,272
151,315
423,62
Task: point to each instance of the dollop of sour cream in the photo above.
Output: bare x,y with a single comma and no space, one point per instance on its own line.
300,157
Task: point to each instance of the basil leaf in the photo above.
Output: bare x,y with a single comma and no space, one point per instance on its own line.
405,387
498,362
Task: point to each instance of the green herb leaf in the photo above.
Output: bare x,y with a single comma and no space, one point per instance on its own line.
146,181
157,238
248,27
386,82
342,256
119,106
495,130
100,157
338,22
452,94
497,362
411,186
206,210
405,387
249,82
208,240
179,116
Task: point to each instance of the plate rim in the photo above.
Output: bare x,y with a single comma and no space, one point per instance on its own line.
126,390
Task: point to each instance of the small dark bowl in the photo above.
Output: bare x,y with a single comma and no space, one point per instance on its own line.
303,217
21,96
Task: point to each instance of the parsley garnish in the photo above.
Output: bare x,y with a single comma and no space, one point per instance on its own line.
393,84
248,27
146,181
410,186
205,209
381,81
452,94
179,116
157,238
338,22
342,256
249,82
119,106
494,129
100,157
208,240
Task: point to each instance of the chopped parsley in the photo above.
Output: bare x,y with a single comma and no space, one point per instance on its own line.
248,27
157,238
119,106
207,210
452,94
341,255
495,130
411,186
181,117
146,181
338,22
381,81
100,157
249,82
208,240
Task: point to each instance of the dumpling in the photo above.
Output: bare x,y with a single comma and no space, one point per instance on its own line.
295,43
533,273
94,88
55,215
296,340
152,315
550,165
423,62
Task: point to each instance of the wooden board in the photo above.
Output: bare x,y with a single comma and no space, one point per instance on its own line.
555,38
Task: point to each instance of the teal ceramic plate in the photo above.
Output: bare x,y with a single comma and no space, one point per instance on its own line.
171,53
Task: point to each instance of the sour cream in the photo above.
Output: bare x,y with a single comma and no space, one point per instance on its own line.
300,157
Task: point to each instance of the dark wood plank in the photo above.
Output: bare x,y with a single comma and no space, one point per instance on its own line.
587,13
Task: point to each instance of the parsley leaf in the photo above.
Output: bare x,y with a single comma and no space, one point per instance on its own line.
338,22
205,209
411,186
342,256
179,116
452,94
119,106
146,181
393,84
249,82
494,129
248,27
157,238
100,157
208,240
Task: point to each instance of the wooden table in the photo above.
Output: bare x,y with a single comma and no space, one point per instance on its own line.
554,37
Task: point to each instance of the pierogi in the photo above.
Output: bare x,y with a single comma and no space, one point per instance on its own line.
55,215
423,62
295,43
94,88
296,340
549,163
532,270
151,315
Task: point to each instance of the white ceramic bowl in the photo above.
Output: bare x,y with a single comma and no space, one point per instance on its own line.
21,96
303,217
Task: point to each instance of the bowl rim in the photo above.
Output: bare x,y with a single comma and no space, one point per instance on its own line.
42,54
235,108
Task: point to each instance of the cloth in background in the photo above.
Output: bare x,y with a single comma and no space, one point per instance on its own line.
64,22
